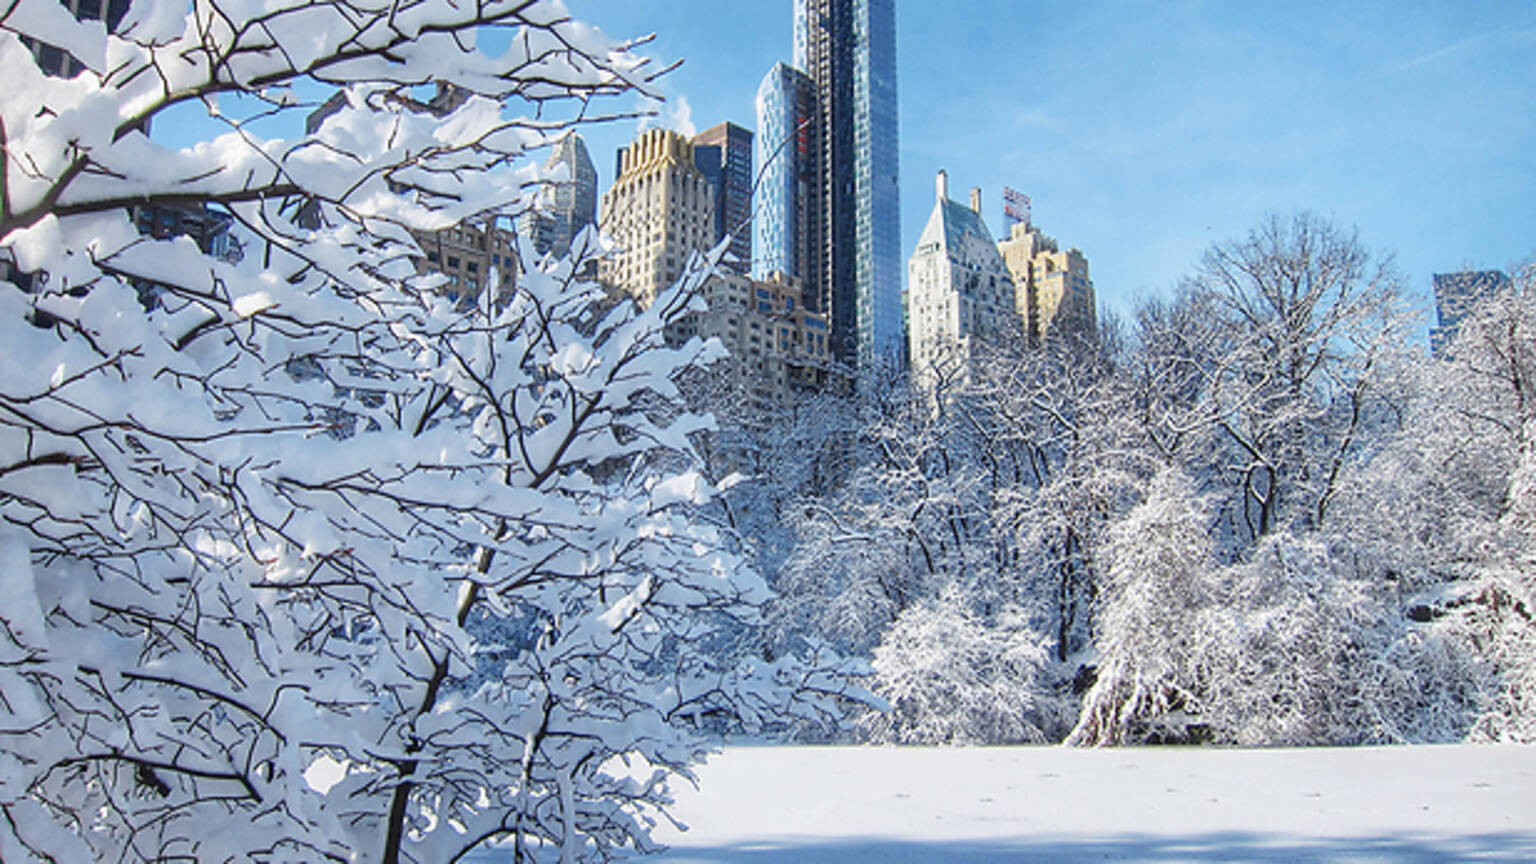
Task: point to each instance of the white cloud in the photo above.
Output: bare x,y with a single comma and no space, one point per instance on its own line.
675,114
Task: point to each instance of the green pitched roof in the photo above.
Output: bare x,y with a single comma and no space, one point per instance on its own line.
950,223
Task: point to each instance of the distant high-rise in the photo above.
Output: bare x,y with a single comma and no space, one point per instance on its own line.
775,348
1455,295
724,153
959,289
569,205
467,254
1054,295
56,61
660,209
851,226
784,227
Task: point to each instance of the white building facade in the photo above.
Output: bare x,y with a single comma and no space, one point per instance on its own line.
959,289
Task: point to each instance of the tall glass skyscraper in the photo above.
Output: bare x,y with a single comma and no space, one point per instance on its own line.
849,219
877,182
782,225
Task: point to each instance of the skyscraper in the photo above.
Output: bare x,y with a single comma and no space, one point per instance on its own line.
783,224
1054,295
660,209
877,181
851,224
724,153
569,205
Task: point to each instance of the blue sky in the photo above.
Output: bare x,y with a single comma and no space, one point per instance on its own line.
1145,132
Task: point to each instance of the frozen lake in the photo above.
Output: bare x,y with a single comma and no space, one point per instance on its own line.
775,805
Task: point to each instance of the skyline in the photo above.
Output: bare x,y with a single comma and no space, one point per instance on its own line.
1411,124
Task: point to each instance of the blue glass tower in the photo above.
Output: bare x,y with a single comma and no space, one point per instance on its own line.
877,183
848,216
782,227
724,153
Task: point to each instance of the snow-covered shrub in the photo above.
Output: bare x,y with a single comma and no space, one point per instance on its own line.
954,677
1442,511
1501,609
1495,356
1286,648
1306,654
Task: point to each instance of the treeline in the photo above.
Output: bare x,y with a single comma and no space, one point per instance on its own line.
1256,513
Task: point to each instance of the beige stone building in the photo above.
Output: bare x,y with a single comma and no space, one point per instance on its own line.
467,254
1052,291
659,209
777,348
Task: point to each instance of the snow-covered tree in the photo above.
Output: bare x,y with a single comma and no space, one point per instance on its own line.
990,490
785,458
1153,633
1299,323
302,558
1052,426
906,518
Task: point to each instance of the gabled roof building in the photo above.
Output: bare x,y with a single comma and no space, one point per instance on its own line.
958,289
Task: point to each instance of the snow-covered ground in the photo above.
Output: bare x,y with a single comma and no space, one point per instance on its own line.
767,805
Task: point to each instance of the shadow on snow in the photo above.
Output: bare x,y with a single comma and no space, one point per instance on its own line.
1225,846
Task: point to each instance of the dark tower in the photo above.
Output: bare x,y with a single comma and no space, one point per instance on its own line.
724,153
847,49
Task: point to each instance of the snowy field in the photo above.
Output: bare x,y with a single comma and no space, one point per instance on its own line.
767,805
